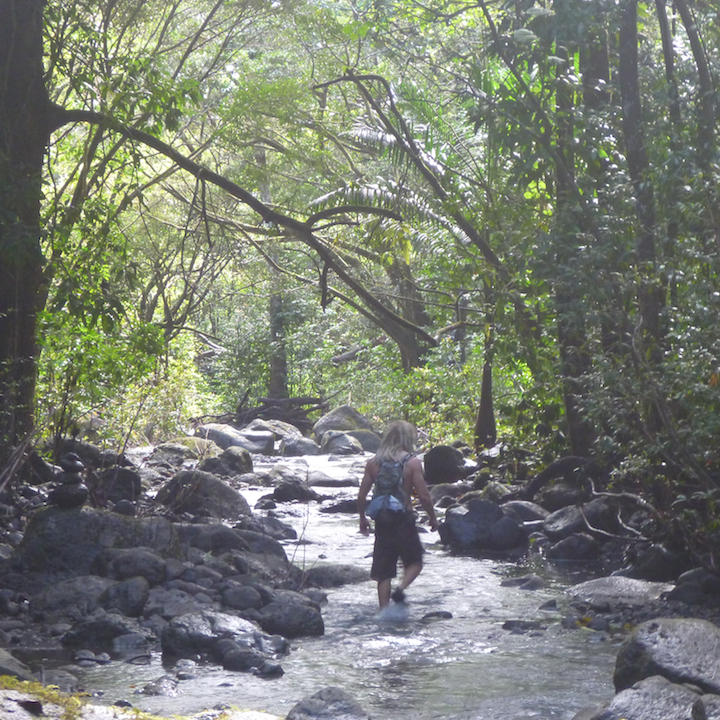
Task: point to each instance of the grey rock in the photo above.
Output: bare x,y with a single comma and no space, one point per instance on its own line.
119,483
124,563
336,442
242,597
199,633
334,575
599,513
10,665
297,446
575,547
262,544
201,493
278,428
342,506
343,418
211,537
617,590
168,603
317,478
294,490
706,707
70,540
99,632
658,564
682,650
223,435
291,615
654,698
72,599
444,464
369,441
506,534
330,703
449,490
270,526
235,460
524,510
127,597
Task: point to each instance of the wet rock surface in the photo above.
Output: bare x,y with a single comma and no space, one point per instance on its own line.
185,566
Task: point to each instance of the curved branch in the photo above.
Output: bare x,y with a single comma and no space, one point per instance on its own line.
390,321
61,116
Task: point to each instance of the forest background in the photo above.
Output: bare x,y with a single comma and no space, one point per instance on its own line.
498,220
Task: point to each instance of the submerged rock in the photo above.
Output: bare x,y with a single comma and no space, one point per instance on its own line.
331,703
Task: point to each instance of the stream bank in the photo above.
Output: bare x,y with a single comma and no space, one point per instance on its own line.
475,642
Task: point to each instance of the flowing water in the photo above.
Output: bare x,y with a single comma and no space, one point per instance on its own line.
463,667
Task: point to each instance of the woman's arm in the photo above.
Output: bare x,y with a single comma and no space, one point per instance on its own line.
414,469
371,470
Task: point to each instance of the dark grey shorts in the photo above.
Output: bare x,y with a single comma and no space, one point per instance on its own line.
395,539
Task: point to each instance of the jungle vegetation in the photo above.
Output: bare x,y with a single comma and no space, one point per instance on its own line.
498,219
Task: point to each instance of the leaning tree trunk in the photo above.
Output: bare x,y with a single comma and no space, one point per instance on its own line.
23,138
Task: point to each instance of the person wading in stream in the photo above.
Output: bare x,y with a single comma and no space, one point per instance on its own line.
396,473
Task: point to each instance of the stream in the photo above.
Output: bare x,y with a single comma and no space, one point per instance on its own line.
463,667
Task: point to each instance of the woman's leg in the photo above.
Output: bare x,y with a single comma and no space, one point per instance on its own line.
410,573
384,592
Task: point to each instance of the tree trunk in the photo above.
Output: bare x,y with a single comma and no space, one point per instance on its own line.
574,357
23,139
649,293
706,120
278,368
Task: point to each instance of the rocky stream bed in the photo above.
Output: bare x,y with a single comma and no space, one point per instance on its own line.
205,556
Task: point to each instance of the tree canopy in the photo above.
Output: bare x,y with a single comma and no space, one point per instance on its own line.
498,220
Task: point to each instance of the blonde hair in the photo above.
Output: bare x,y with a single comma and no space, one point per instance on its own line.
400,436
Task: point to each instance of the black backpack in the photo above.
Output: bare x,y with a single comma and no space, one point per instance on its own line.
388,494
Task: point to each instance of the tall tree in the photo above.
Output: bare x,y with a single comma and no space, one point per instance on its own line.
24,132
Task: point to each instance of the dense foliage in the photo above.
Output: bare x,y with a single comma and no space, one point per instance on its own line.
497,219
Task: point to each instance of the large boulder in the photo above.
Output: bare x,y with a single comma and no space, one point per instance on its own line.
652,699
127,597
206,634
369,440
683,650
68,541
99,632
344,418
125,563
118,483
444,464
256,441
616,591
278,428
481,526
336,442
291,615
297,446
203,494
579,547
234,460
598,514
267,526
212,538
72,599
9,665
